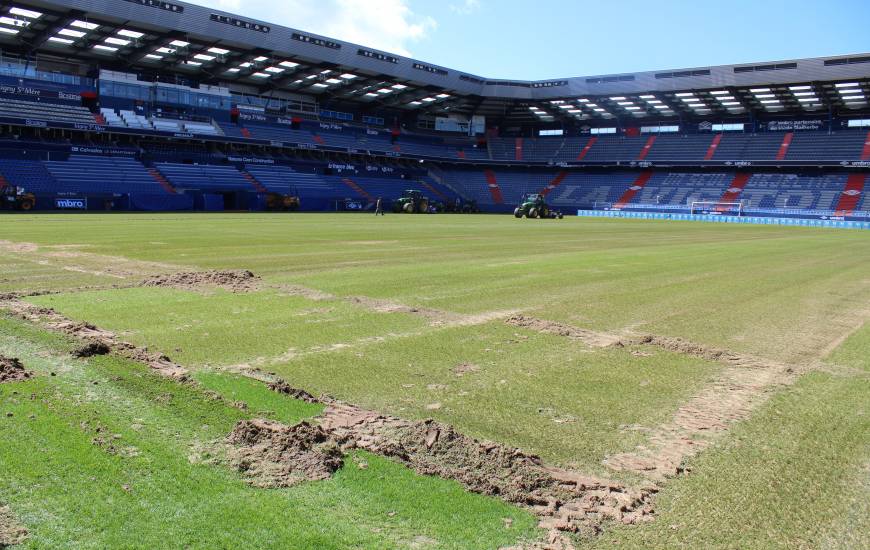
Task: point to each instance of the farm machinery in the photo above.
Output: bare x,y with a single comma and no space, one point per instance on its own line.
534,206
412,201
16,198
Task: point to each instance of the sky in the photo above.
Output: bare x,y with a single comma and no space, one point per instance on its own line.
549,39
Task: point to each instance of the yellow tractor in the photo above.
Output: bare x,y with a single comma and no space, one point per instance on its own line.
276,202
16,198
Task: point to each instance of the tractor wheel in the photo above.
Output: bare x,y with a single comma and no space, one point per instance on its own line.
559,215
408,208
533,213
424,207
27,205
518,213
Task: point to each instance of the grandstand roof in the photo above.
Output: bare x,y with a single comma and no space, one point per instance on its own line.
213,46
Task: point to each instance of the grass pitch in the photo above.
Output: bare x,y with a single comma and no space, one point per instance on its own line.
791,473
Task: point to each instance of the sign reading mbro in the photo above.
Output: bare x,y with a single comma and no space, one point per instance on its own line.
71,204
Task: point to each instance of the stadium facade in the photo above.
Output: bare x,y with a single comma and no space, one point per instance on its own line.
159,105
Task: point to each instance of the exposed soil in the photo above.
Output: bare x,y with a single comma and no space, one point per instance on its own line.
465,368
11,370
91,348
588,337
565,501
281,386
237,281
731,397
72,258
556,540
742,386
271,454
11,532
305,292
94,340
435,317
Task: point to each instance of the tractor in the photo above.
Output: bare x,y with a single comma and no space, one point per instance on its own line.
276,202
411,202
533,206
15,198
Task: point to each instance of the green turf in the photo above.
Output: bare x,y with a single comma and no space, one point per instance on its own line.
154,489
224,328
794,475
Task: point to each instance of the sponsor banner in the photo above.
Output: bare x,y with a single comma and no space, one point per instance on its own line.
253,116
101,151
341,167
795,125
71,204
331,127
89,127
755,220
251,160
37,90
382,169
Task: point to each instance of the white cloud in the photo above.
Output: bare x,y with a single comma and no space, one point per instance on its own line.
389,25
467,7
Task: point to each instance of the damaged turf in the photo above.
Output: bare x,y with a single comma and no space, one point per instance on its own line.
589,337
564,500
11,532
237,281
743,385
276,455
93,340
271,454
11,370
283,387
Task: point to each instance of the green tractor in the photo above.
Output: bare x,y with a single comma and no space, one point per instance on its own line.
533,206
15,198
411,202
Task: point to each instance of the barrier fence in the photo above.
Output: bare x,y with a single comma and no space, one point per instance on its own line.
755,220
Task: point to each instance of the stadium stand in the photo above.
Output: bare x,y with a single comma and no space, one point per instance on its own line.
227,129
81,174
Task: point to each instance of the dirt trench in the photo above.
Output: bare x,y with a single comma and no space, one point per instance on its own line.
588,337
564,501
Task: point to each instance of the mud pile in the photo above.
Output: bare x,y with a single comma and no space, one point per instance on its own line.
11,532
237,281
271,454
11,370
564,500
283,387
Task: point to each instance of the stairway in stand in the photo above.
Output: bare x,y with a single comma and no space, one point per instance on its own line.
164,183
256,184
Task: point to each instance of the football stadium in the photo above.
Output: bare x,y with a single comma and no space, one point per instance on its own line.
264,288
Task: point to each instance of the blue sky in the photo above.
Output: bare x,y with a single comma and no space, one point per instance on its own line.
545,39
